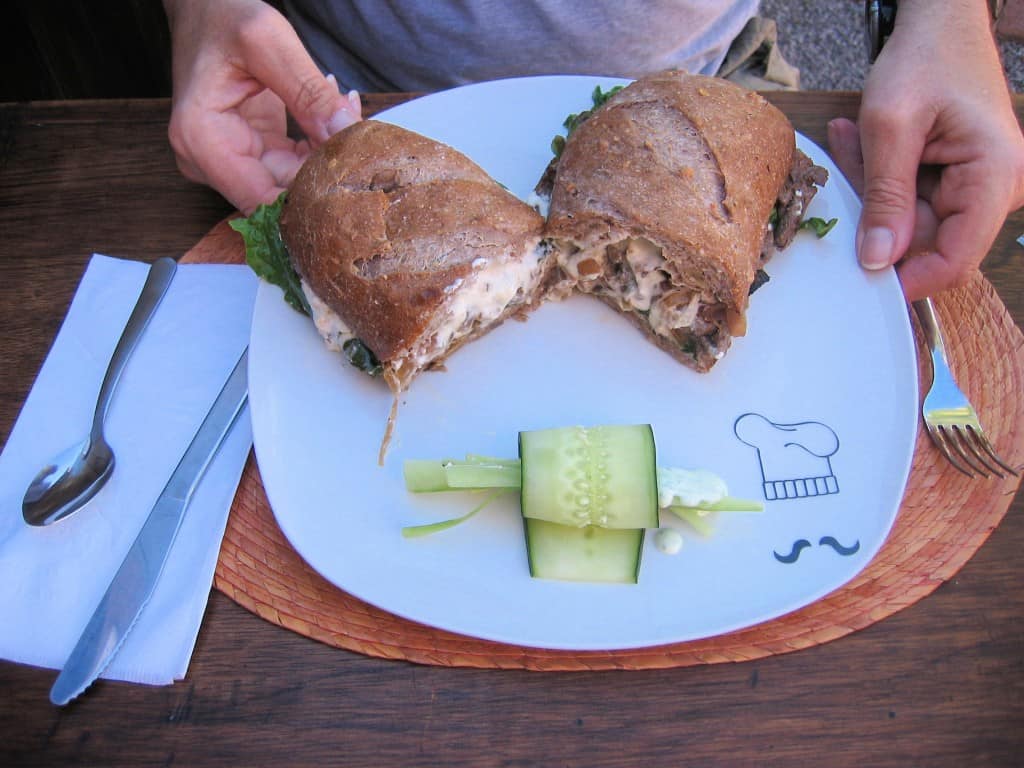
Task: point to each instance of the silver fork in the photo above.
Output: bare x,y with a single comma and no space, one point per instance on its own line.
949,416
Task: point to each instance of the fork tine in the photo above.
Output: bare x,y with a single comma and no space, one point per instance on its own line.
964,450
981,439
969,439
948,448
949,417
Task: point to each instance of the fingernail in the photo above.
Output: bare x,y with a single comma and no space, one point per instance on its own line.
833,133
875,248
343,118
355,100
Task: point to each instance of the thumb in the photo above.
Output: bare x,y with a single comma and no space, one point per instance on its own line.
892,153
844,146
277,58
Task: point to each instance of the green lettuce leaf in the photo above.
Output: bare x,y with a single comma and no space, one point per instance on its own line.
598,96
819,226
267,255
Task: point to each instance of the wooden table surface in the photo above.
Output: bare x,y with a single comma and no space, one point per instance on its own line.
940,683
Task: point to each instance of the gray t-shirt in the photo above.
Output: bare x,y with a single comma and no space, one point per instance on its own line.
425,45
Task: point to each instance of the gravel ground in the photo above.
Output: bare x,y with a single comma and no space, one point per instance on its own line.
825,39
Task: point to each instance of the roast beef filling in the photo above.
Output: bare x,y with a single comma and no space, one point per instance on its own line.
632,275
796,194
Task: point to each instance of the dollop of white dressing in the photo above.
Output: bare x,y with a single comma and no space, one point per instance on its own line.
668,540
692,487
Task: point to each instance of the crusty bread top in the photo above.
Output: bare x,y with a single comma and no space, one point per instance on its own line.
380,221
691,163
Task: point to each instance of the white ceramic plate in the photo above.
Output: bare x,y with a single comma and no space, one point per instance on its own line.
813,411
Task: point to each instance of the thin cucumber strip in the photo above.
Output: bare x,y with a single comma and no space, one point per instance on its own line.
697,517
432,476
425,476
694,519
477,458
415,531
483,476
725,504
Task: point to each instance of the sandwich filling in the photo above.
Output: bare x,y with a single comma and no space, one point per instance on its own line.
329,325
633,276
678,306
494,289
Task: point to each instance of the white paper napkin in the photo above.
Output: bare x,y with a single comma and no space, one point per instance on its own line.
53,577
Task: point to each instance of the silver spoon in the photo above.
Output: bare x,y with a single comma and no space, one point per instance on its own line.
77,473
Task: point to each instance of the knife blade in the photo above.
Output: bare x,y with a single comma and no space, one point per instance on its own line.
135,580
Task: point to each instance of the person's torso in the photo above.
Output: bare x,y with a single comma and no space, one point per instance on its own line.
414,45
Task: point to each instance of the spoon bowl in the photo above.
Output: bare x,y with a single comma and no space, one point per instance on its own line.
76,474
74,477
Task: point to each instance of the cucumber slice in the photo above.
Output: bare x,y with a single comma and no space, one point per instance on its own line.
597,476
571,553
425,476
473,474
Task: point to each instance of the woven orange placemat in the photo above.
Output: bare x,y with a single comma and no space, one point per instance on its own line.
943,519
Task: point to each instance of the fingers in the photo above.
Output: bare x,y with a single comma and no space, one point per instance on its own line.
954,226
927,273
940,150
245,182
274,55
923,270
844,146
891,144
238,65
969,207
246,167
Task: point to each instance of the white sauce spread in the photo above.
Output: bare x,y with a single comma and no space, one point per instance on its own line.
328,324
798,209
692,487
540,203
668,540
481,298
646,261
668,315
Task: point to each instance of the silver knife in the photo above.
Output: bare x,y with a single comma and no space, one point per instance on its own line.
135,580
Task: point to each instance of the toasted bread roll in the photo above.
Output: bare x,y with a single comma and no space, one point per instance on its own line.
661,204
408,246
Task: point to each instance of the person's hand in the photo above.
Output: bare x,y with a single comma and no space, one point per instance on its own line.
937,152
239,68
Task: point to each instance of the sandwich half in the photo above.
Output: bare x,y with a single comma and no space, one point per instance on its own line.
667,200
406,249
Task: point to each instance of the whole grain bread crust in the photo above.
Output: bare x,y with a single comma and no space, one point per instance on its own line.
380,221
691,163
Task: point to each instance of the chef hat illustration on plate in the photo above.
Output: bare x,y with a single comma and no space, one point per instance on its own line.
794,457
